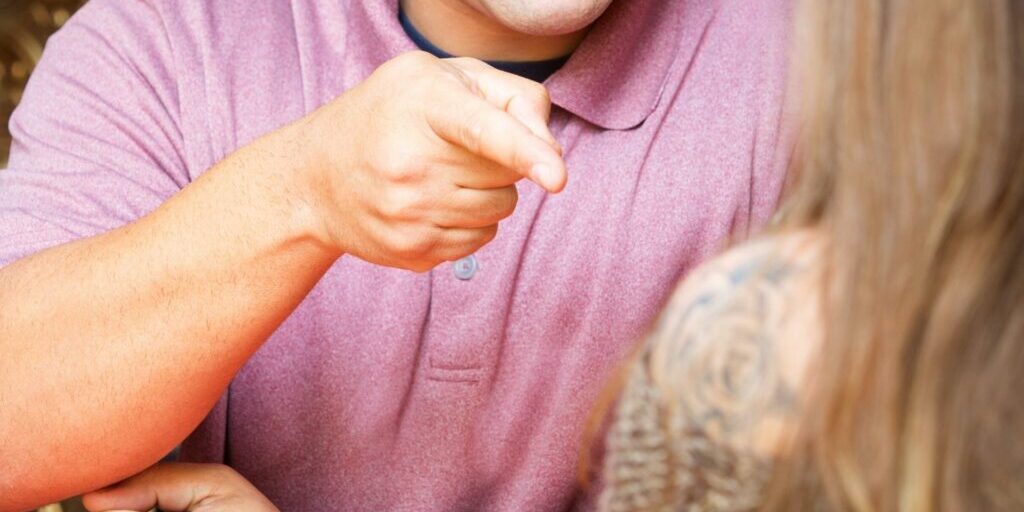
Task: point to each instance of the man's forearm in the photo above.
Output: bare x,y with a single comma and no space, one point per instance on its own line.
113,348
411,168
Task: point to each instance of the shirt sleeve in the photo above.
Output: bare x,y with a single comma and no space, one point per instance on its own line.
97,142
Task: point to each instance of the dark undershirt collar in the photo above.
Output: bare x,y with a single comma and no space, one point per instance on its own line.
538,71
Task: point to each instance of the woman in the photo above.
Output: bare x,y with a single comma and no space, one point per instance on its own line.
866,354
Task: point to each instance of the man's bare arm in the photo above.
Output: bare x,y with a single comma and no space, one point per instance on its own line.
115,347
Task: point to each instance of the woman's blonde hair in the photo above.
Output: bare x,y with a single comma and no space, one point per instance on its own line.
911,162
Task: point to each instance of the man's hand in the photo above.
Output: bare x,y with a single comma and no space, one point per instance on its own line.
418,164
180,487
411,168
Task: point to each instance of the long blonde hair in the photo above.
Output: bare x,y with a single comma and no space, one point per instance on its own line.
911,161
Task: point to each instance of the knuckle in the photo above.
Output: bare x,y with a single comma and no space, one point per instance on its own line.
415,58
396,65
399,167
464,62
390,164
405,174
488,234
445,81
415,246
409,69
474,130
399,204
512,198
503,202
539,93
221,473
390,210
463,67
438,83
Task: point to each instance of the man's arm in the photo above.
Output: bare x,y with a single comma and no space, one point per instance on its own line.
131,298
115,347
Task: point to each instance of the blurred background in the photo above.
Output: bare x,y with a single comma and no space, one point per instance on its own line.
24,27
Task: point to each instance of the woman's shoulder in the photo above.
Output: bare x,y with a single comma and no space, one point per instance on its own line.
781,261
716,384
732,344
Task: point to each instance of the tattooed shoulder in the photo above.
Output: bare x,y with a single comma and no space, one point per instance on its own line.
715,386
719,353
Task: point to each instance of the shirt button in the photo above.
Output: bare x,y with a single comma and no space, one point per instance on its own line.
466,268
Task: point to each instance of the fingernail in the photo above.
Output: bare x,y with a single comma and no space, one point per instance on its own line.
542,174
548,177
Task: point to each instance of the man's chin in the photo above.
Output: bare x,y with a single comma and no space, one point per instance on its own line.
547,17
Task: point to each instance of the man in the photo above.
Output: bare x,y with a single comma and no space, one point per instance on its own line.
212,209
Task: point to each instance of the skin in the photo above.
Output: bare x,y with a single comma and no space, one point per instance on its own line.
543,17
718,382
509,30
180,488
720,374
158,316
196,287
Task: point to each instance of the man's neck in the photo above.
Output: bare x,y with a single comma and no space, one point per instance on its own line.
464,31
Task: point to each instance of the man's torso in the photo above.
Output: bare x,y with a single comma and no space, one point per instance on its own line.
388,390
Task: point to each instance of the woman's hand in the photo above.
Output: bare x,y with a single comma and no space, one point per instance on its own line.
178,487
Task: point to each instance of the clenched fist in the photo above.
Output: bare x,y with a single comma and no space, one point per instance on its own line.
418,164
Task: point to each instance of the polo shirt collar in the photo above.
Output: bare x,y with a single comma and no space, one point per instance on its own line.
613,80
616,77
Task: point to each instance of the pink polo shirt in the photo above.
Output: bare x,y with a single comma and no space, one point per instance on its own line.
389,390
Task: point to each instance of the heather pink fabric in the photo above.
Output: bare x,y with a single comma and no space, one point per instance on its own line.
389,390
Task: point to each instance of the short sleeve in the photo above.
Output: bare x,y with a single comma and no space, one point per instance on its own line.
97,143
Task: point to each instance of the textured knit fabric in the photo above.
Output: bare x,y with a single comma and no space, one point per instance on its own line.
658,460
389,390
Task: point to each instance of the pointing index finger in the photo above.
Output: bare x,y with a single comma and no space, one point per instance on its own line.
526,100
481,128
